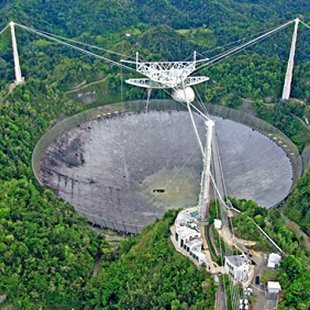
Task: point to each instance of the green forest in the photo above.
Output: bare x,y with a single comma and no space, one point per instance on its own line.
293,273
47,250
297,206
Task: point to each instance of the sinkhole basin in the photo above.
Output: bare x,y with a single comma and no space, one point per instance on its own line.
125,171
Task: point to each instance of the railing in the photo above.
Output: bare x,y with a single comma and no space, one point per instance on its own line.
122,227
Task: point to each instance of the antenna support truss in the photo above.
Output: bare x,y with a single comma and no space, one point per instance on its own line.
167,74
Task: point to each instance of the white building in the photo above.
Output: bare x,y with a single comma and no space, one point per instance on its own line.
218,224
273,260
273,287
200,257
188,236
237,267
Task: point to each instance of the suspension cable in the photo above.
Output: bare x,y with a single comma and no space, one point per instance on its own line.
202,103
76,47
234,42
84,44
241,47
204,117
304,24
181,168
260,35
214,63
5,28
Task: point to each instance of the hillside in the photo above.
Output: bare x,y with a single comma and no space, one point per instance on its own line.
297,206
150,274
164,29
114,16
293,272
47,250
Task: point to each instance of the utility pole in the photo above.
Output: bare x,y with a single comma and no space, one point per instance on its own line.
18,75
290,65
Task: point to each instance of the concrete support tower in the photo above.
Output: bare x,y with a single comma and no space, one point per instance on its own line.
204,199
290,65
18,75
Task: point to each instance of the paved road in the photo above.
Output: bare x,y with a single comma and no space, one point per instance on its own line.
271,302
220,298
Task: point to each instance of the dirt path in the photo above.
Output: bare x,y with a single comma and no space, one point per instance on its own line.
96,265
11,88
231,240
294,227
211,237
83,86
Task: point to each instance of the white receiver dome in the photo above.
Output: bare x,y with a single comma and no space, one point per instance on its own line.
184,95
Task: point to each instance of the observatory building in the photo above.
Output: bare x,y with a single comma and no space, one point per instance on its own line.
188,236
237,267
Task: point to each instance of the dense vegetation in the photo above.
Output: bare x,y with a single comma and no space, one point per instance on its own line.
47,256
293,274
288,118
47,251
163,29
297,207
150,274
270,221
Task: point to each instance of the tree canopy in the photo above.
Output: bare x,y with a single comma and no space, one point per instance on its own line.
47,250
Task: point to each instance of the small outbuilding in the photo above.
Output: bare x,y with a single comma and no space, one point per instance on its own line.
218,224
273,260
273,287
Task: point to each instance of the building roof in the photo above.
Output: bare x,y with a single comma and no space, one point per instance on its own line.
273,260
273,285
185,232
236,260
195,239
186,225
271,264
183,216
218,224
201,255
